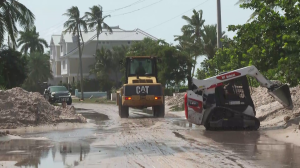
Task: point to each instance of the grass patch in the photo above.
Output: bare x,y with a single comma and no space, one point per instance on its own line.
56,104
177,108
95,101
2,88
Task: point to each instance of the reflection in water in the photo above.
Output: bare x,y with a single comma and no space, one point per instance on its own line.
184,123
252,145
40,153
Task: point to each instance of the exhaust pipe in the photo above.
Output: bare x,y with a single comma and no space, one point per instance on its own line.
282,95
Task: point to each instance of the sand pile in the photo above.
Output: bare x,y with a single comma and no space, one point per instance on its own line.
271,112
21,108
177,100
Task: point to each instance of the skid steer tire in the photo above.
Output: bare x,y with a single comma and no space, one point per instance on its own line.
123,110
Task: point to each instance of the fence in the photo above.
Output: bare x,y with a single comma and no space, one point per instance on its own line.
89,94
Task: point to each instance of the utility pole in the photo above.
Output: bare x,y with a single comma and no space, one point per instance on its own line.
219,24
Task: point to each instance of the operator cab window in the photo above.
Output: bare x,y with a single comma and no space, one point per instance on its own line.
143,66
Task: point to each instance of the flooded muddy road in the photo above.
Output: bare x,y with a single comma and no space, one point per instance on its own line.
142,141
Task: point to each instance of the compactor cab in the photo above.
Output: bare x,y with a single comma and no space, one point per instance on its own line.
141,88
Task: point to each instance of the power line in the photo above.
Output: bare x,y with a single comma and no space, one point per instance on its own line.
177,15
139,1
166,20
137,9
54,26
113,10
172,18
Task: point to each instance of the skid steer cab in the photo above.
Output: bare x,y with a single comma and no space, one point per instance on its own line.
224,102
141,88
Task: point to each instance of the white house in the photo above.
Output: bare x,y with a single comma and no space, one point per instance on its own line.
64,57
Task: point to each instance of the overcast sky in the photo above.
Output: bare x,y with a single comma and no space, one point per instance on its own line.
160,18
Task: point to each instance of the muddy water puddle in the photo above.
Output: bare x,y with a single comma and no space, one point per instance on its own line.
251,145
67,148
41,153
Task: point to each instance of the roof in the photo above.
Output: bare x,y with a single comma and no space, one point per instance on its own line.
55,39
116,35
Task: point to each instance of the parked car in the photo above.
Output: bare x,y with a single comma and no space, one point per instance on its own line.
58,94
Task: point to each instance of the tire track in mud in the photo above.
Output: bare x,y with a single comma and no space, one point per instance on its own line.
151,142
164,150
211,151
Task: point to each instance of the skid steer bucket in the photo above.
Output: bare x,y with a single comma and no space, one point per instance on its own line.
282,95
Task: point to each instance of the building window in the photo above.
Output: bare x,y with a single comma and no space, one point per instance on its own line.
61,48
128,42
103,42
107,42
64,65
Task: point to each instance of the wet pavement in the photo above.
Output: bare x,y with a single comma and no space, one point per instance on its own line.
251,145
70,148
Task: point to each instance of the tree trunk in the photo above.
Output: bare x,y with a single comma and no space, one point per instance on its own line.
97,44
117,81
194,66
80,65
189,77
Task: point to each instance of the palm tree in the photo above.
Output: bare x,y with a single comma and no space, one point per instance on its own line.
39,70
191,37
118,54
210,38
30,40
12,12
103,66
271,5
95,19
74,25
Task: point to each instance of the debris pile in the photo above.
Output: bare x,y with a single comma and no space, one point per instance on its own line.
21,108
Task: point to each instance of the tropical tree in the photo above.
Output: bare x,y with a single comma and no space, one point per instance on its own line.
13,69
74,26
103,67
118,54
210,40
11,13
192,35
39,71
29,39
271,4
95,19
270,42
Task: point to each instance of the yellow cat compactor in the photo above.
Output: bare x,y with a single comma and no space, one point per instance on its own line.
141,89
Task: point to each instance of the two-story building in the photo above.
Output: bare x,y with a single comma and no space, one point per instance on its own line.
64,54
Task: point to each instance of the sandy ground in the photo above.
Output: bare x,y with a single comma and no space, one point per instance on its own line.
140,141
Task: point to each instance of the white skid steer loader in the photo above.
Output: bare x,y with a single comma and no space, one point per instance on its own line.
224,102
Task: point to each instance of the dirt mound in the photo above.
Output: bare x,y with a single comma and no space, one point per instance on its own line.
177,100
21,108
271,112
